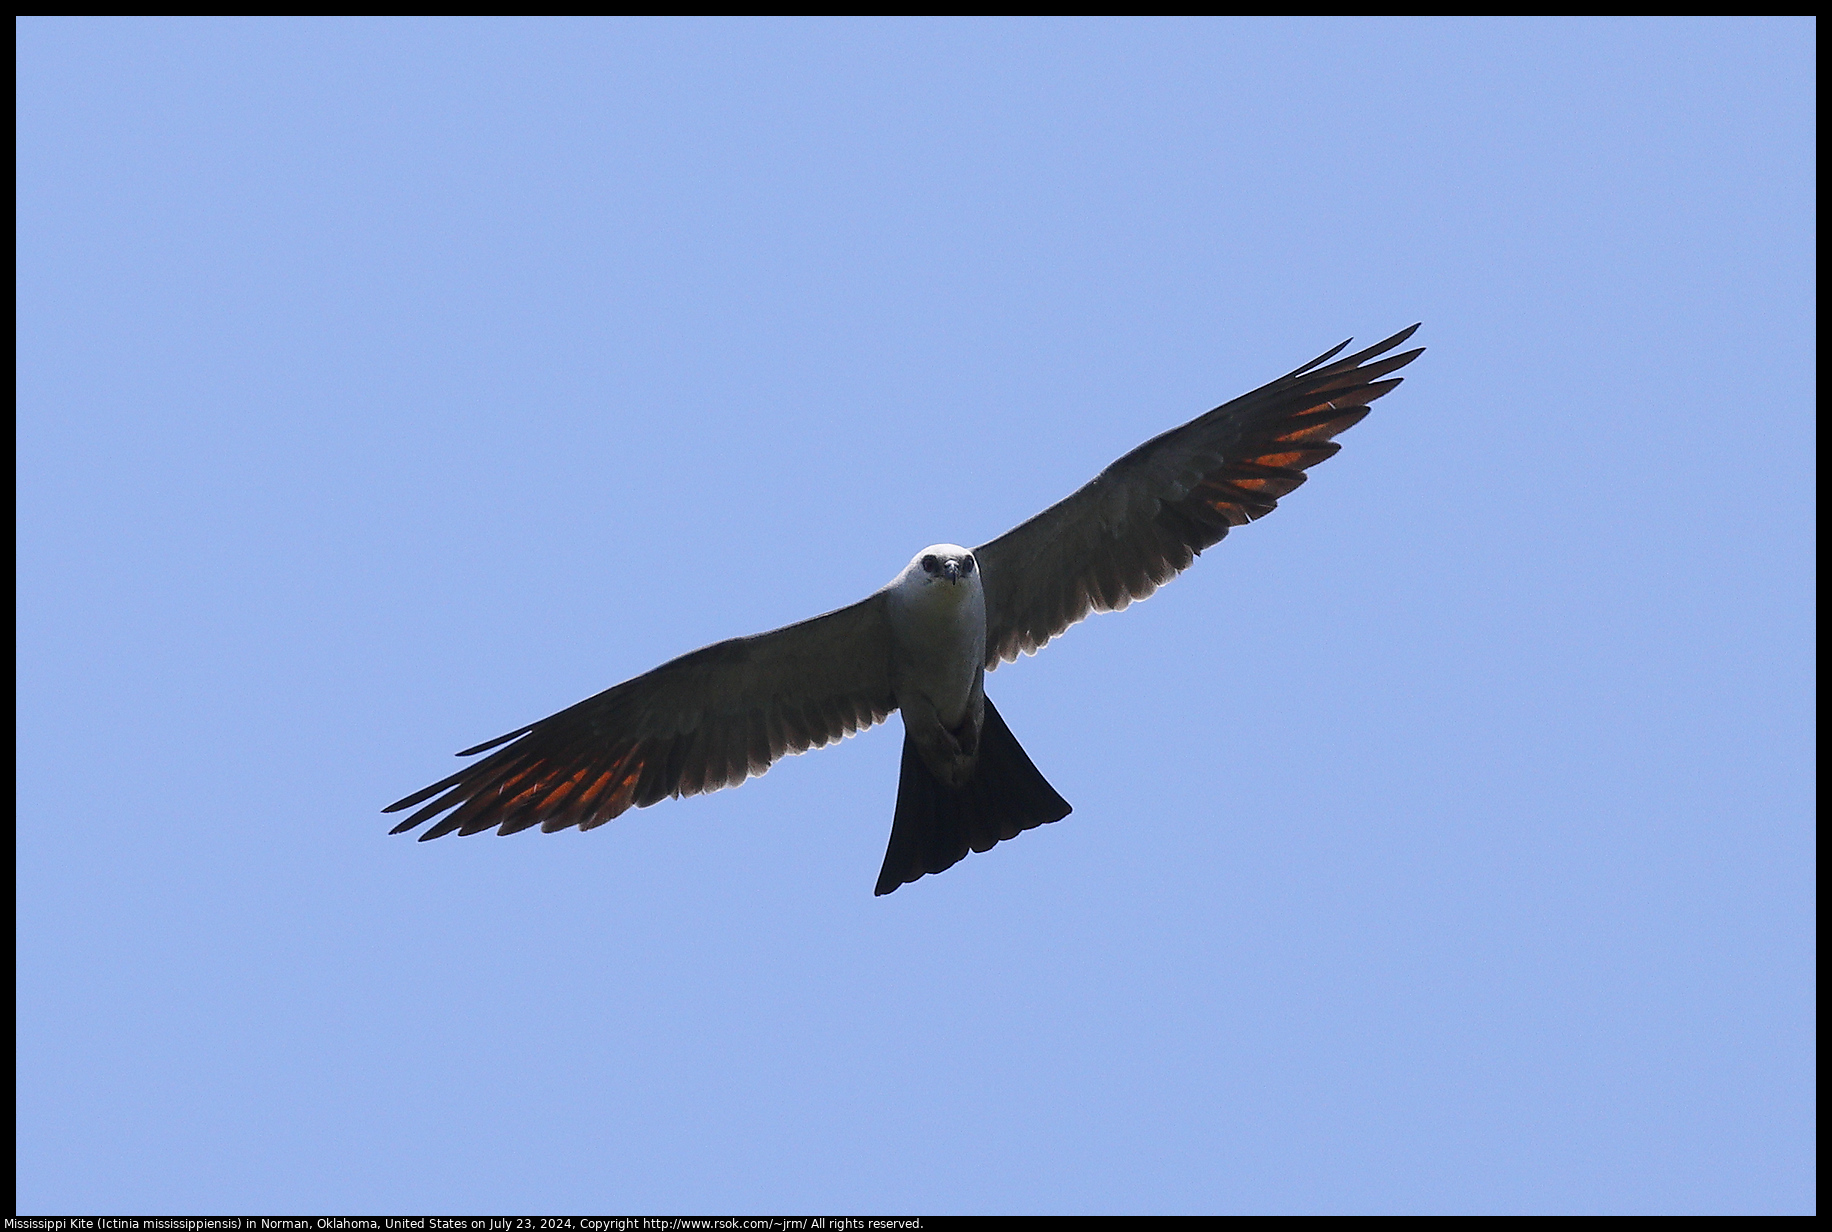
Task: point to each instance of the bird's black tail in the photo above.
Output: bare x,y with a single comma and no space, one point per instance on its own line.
936,825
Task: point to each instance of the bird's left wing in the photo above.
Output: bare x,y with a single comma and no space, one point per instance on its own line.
706,720
1144,519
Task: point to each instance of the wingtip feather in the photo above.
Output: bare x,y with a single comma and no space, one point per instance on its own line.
487,745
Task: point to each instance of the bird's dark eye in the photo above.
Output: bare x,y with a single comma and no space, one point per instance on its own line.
929,564
967,565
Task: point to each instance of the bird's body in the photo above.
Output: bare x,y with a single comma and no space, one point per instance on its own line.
937,611
922,645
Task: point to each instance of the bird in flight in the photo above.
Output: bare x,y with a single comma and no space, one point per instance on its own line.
921,645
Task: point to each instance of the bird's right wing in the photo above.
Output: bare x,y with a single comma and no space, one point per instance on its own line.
1144,519
706,720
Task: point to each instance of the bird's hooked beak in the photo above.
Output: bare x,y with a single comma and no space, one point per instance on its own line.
953,569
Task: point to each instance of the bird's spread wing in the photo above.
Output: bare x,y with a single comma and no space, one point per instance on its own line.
1144,519
707,720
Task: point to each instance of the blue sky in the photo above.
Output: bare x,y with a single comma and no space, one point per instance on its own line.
1442,843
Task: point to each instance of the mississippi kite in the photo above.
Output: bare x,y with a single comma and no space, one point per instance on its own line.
922,645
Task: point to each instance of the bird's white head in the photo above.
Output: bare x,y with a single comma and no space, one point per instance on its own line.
938,617
940,564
